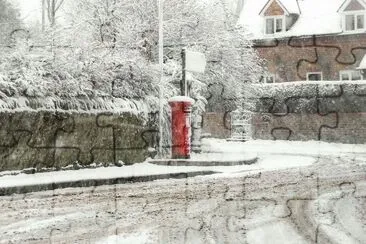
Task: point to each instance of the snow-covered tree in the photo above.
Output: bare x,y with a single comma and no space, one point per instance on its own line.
207,26
52,7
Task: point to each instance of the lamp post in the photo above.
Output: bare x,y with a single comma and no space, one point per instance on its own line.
161,53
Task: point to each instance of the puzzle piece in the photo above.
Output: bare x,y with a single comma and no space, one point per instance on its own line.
285,99
29,139
293,47
294,126
6,137
217,214
350,109
78,143
131,137
9,217
218,99
348,215
22,155
272,212
42,126
216,124
106,215
347,51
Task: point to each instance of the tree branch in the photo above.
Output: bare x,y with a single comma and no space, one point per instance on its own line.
59,5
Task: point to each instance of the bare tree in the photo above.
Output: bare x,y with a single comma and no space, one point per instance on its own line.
52,7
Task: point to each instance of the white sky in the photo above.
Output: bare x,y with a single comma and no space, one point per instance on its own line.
30,9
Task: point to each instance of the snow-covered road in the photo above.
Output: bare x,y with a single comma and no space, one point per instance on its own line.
320,203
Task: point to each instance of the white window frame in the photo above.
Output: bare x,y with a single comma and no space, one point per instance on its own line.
349,73
355,14
275,17
314,73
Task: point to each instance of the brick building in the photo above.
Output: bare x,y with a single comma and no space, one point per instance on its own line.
308,39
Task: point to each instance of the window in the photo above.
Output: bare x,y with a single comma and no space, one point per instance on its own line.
274,24
314,76
269,26
360,19
350,75
354,22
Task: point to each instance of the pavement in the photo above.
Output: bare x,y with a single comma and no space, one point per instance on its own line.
211,159
217,157
151,170
73,183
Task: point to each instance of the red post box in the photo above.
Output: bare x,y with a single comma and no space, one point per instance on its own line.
181,107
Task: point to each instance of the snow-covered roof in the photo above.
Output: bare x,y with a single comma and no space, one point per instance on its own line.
315,17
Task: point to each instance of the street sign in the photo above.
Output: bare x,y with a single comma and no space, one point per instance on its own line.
195,62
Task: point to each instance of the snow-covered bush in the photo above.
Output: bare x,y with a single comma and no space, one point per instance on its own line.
67,75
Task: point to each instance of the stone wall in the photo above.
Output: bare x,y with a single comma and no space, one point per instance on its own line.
216,124
326,111
42,139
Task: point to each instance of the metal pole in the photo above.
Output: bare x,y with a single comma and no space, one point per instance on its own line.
43,15
161,53
183,85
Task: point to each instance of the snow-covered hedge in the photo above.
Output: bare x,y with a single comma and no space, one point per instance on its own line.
311,97
36,80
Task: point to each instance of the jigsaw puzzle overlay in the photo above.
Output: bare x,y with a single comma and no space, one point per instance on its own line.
305,205
54,140
326,112
323,202
301,110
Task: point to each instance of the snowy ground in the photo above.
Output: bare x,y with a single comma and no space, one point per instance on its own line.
272,155
263,147
298,192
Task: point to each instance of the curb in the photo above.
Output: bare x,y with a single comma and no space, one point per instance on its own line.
187,162
6,191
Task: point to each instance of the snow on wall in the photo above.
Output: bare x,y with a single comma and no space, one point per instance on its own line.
75,105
